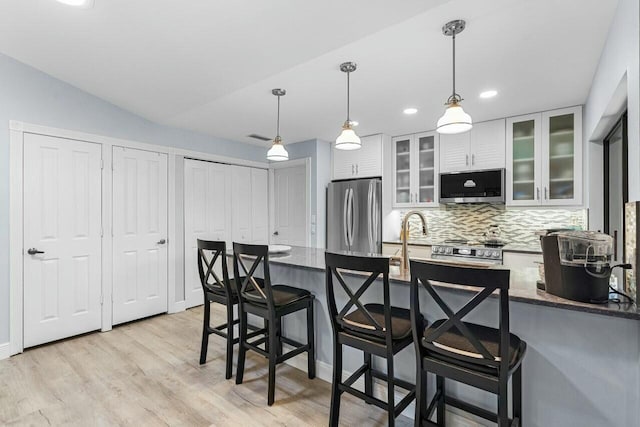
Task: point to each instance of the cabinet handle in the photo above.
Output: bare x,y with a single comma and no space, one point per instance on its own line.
353,169
546,195
357,169
473,159
537,193
467,160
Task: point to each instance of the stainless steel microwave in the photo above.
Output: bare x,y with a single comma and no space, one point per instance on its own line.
485,186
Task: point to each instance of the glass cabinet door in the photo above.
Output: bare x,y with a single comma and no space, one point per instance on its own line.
561,158
524,161
426,169
403,170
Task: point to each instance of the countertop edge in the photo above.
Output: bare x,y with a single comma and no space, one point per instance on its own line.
504,249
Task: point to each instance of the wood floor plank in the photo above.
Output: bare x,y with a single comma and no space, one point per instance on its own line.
148,373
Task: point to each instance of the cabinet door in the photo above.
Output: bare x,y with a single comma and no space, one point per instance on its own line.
454,152
369,158
241,204
523,160
402,160
259,206
562,156
488,145
344,163
426,176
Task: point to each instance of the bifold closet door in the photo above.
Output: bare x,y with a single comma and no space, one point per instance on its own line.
62,238
139,234
207,215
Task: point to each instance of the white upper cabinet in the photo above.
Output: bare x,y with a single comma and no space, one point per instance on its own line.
544,158
363,163
481,148
415,170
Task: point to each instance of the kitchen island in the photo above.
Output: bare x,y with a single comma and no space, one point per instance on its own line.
583,361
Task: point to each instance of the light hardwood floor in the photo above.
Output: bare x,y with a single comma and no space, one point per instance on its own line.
147,373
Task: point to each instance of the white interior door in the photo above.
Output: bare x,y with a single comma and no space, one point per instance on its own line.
259,197
290,201
139,234
207,215
62,220
241,204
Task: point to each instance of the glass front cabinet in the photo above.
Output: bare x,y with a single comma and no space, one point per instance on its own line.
415,170
544,158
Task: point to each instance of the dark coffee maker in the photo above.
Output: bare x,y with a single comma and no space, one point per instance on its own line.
577,265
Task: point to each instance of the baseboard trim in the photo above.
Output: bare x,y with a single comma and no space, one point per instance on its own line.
5,350
177,307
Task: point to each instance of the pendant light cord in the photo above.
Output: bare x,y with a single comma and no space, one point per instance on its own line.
278,120
454,65
348,118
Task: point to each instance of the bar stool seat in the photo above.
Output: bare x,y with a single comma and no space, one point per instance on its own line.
453,343
282,295
358,322
233,289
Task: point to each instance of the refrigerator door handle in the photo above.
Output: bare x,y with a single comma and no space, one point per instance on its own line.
351,218
345,209
370,214
376,216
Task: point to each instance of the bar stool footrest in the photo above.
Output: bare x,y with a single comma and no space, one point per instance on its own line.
396,381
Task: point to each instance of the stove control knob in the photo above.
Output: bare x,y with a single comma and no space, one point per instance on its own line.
435,249
495,254
448,251
486,253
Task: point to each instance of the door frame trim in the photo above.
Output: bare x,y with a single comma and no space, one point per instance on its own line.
306,161
17,129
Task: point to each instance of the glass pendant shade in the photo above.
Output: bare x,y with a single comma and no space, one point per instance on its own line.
454,120
348,139
277,152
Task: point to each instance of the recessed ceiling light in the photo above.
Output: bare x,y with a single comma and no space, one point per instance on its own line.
77,3
488,94
410,110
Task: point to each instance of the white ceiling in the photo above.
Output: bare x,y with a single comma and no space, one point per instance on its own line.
210,65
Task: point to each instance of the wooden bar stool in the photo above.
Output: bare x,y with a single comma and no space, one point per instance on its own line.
376,329
220,290
477,355
271,302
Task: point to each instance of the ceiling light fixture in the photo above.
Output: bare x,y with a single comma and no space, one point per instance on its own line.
348,139
410,111
77,3
488,94
454,120
277,152
354,123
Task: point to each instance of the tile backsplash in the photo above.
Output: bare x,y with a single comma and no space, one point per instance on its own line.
471,221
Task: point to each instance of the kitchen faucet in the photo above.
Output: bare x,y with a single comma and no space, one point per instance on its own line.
404,235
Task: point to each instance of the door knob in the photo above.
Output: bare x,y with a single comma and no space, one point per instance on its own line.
275,233
162,241
34,251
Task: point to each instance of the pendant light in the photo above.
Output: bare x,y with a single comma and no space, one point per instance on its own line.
454,120
277,152
348,139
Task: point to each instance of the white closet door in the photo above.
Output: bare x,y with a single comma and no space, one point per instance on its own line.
139,234
62,219
260,206
290,201
241,204
207,215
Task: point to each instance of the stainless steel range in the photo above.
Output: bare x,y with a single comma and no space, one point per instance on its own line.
466,253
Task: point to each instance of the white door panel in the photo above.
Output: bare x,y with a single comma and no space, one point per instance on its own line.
241,204
290,206
207,216
62,218
139,234
259,197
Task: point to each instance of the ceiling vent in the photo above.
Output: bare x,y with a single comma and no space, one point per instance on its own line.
260,137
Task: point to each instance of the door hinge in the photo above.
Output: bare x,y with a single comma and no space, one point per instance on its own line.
101,164
101,231
101,299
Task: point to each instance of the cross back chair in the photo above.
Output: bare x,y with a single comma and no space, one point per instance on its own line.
261,298
477,355
375,329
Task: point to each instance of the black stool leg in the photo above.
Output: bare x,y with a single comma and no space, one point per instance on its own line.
229,340
503,404
368,378
273,356
334,413
205,333
391,393
517,395
441,405
421,396
311,353
242,351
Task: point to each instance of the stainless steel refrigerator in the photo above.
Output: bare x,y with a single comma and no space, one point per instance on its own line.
354,216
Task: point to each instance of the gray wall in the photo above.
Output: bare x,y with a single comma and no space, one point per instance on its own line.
32,96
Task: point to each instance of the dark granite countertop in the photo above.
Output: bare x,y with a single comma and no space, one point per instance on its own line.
509,247
523,285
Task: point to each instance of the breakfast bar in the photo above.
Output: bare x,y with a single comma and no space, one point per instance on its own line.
583,360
